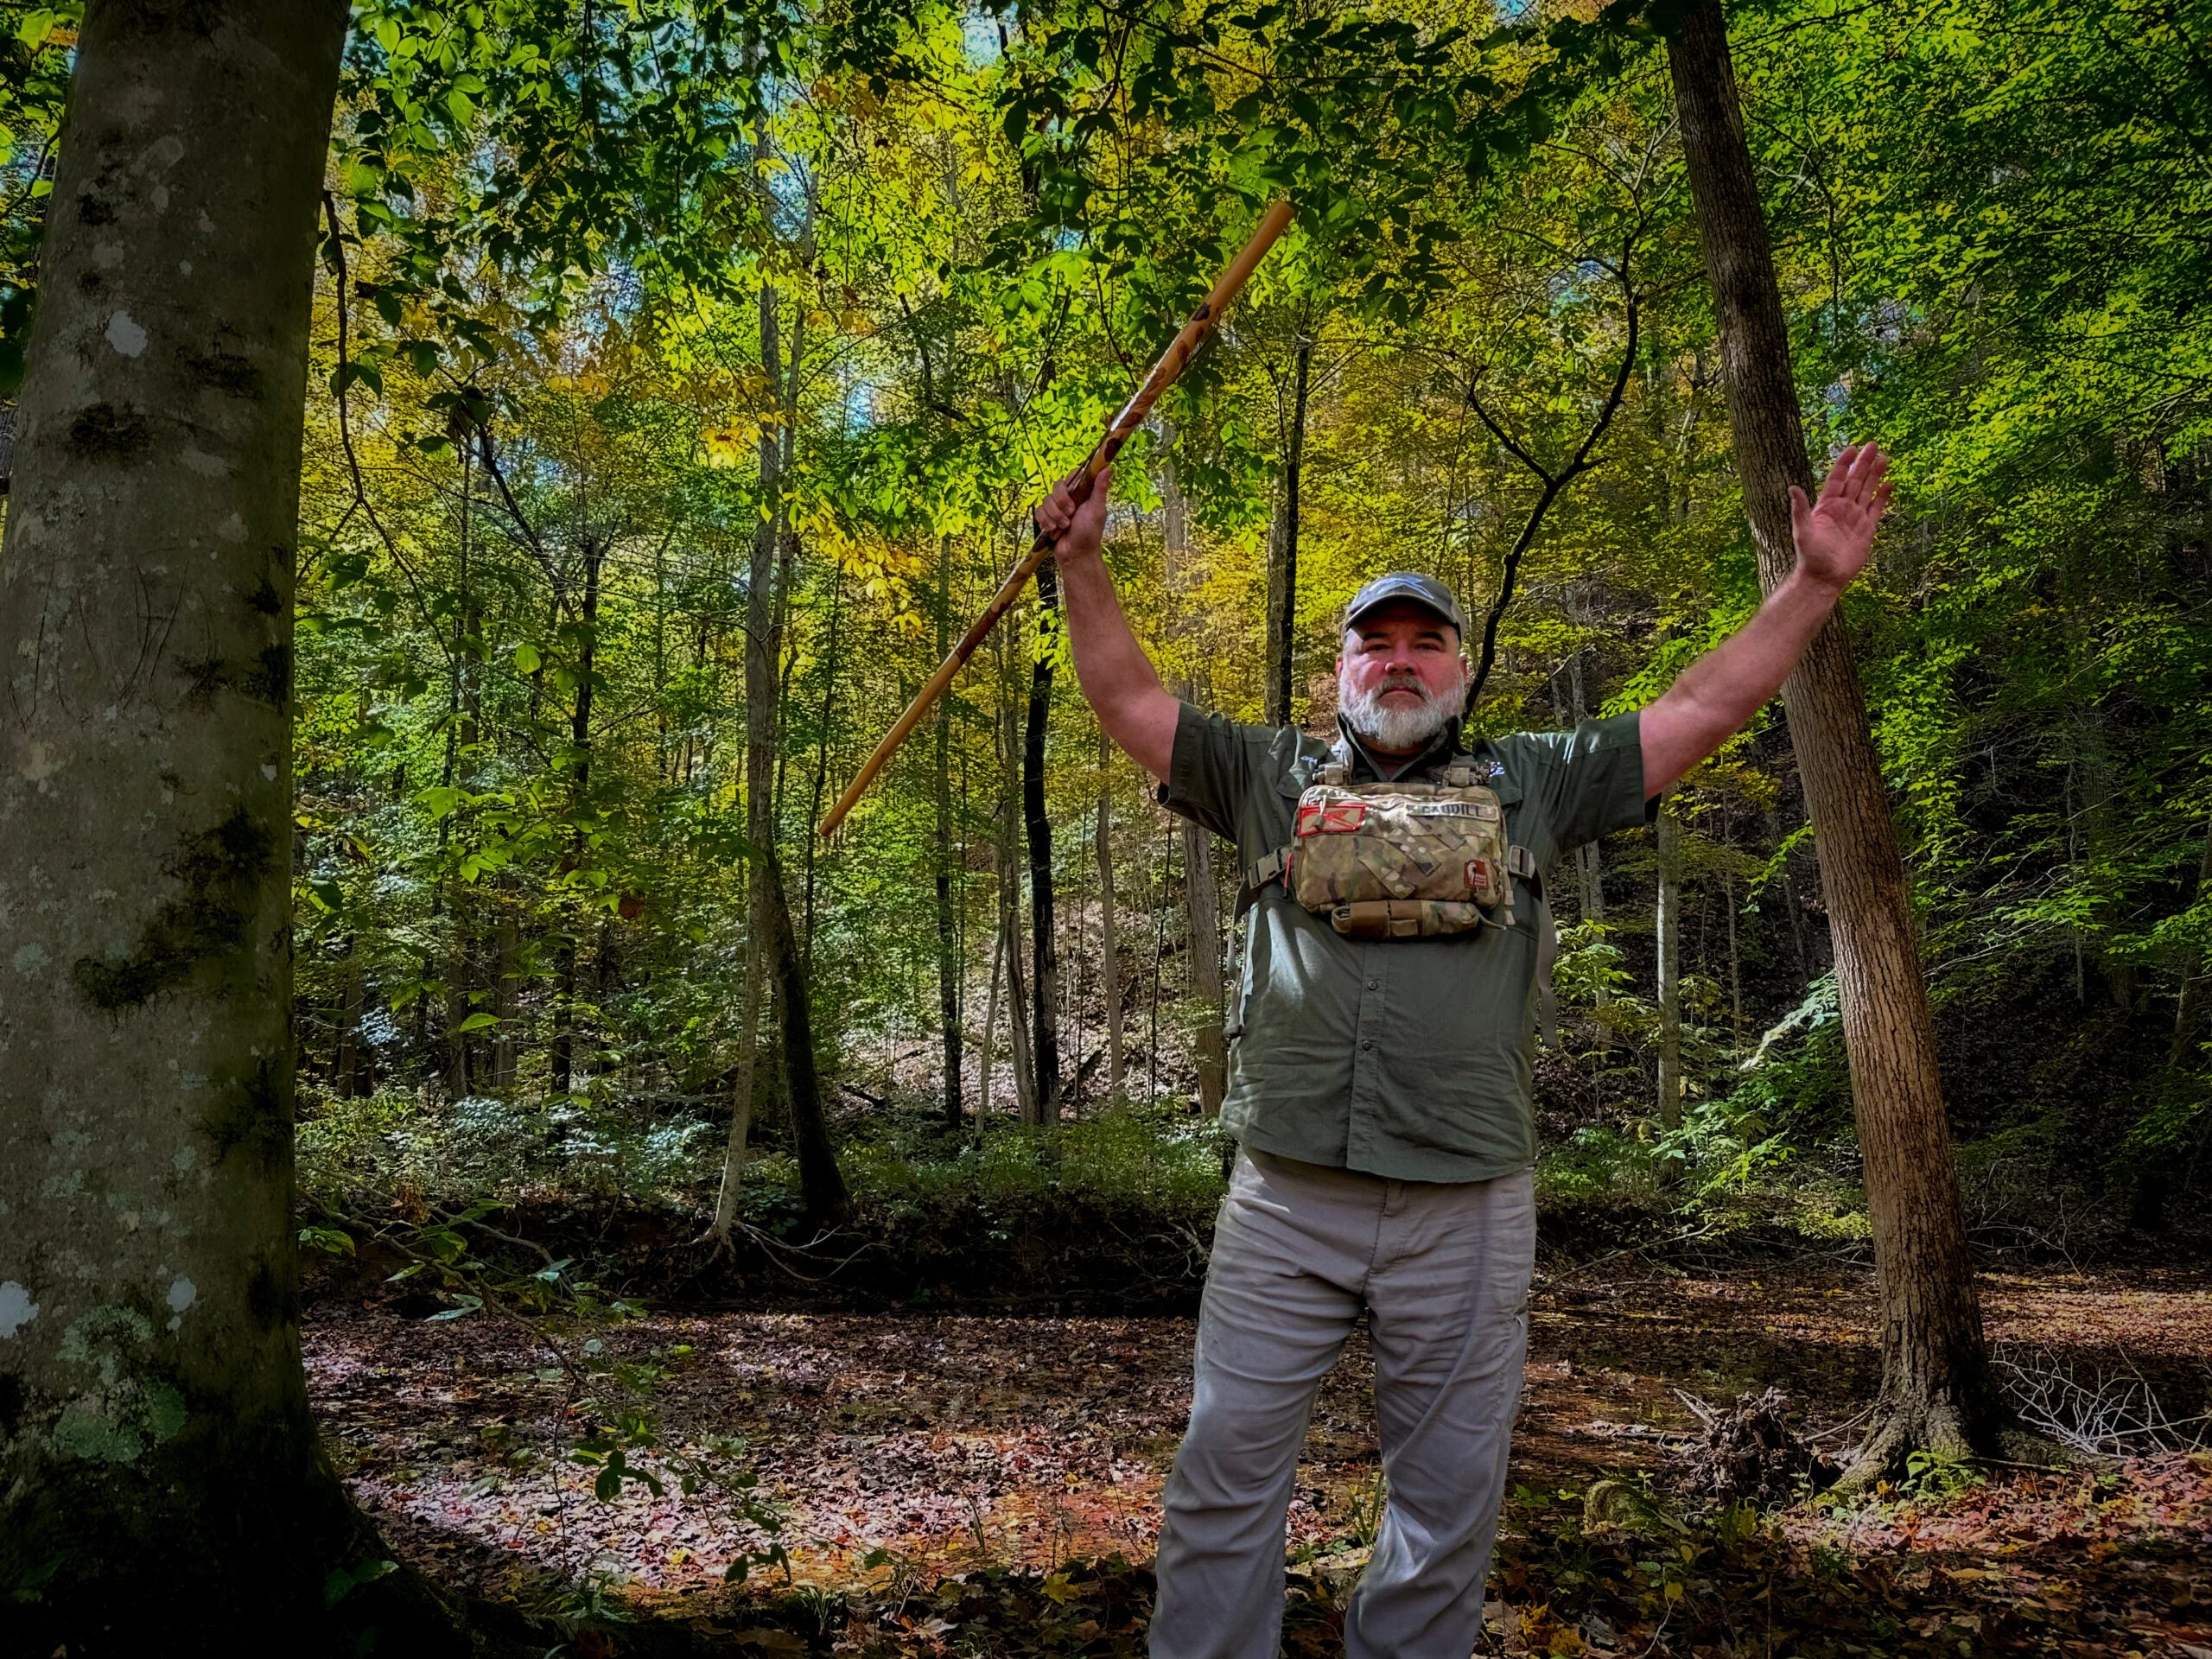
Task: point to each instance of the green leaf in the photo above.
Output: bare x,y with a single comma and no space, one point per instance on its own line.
477,1022
388,34
527,661
332,1241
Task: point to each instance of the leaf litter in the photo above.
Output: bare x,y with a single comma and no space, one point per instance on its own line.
922,1485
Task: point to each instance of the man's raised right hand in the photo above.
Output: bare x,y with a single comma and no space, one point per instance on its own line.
1076,527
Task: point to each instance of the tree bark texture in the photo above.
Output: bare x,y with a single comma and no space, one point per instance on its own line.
1282,545
1045,977
157,1460
1937,1390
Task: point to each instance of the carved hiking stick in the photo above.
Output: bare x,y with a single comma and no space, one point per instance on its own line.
1118,432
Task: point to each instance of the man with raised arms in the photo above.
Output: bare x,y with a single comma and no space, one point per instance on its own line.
1379,1085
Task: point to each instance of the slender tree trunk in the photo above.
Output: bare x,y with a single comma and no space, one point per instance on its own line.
1936,1389
830,666
565,1074
1670,968
822,1185
948,942
1009,874
1025,1074
1202,911
1043,937
761,693
1157,895
346,1071
1792,902
1735,961
1109,944
457,981
1282,545
160,1482
2189,1009
507,1004
1589,862
990,1031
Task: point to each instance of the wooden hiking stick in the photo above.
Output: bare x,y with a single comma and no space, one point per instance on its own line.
1118,432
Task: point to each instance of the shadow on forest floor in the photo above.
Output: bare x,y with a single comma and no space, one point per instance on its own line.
977,1484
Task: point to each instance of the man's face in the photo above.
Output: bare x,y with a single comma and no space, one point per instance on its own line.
1400,675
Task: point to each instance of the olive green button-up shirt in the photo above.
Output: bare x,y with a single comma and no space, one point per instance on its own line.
1407,1059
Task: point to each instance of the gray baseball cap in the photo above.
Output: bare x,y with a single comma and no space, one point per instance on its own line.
1409,585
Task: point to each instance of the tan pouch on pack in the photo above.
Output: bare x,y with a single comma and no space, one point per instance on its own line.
1402,861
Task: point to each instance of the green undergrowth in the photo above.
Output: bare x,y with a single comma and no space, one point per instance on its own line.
1115,1210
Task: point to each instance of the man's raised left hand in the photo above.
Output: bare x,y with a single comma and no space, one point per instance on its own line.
1835,536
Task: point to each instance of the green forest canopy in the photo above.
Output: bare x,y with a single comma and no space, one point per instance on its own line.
603,297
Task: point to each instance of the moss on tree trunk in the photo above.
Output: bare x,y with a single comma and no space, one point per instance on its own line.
161,1489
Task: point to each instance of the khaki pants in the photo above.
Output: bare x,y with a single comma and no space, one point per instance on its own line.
1442,1270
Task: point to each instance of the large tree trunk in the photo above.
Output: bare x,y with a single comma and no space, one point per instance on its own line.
948,941
1937,1390
1045,986
1282,545
159,1469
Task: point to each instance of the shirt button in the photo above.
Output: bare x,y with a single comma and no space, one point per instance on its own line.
1367,1045
1374,984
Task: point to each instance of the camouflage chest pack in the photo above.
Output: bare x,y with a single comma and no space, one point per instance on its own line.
1400,861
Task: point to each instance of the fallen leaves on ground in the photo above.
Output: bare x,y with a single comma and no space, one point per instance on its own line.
982,1484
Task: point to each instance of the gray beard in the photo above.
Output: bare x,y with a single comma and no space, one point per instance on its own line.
1397,729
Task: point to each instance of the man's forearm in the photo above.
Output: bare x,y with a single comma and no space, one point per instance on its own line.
1118,679
1718,694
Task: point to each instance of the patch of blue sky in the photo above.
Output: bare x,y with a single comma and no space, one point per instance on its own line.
859,402
979,36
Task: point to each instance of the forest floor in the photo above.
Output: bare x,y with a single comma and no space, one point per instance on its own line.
953,1483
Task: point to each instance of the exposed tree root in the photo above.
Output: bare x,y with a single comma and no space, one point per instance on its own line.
1941,1429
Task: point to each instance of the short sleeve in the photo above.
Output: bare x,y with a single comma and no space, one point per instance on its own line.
1210,772
1584,784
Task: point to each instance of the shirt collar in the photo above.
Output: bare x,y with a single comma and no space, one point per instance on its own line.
1354,753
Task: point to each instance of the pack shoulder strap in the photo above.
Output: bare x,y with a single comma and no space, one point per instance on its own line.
1273,867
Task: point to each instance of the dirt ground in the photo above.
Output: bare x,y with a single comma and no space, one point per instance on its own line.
919,1446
